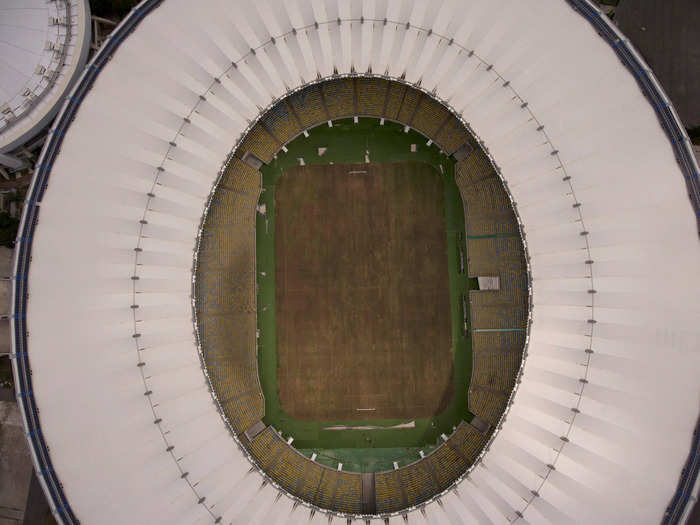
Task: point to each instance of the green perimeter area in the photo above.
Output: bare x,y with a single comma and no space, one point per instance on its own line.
362,450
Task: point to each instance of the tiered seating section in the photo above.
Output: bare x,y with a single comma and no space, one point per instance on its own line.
430,116
260,143
408,106
497,357
225,296
474,168
498,317
371,96
306,479
452,135
497,360
339,96
418,482
395,490
281,121
309,106
348,97
394,100
467,442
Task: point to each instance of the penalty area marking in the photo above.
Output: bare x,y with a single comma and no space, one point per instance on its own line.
365,409
354,173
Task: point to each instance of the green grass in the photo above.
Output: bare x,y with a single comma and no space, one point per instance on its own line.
372,450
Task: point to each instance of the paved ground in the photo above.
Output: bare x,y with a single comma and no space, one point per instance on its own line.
667,33
15,465
37,511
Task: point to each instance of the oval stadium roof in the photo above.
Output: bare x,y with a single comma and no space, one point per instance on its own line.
602,423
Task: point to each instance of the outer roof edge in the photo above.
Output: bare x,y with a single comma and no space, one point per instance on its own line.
678,509
651,88
21,369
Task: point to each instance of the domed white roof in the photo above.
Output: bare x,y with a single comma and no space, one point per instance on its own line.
44,46
601,425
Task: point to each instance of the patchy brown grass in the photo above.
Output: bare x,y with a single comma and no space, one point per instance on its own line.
362,293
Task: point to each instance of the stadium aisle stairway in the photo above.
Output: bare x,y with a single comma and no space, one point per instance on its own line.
394,100
409,104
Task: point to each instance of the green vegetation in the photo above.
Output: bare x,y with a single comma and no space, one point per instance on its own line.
370,450
112,9
12,201
6,378
8,229
694,134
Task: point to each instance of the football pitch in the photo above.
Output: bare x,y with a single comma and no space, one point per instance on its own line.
360,295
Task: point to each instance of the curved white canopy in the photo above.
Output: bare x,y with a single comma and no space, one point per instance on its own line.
618,274
44,46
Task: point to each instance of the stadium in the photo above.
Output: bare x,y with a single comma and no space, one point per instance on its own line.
373,261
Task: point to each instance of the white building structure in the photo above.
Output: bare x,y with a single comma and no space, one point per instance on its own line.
602,423
44,46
